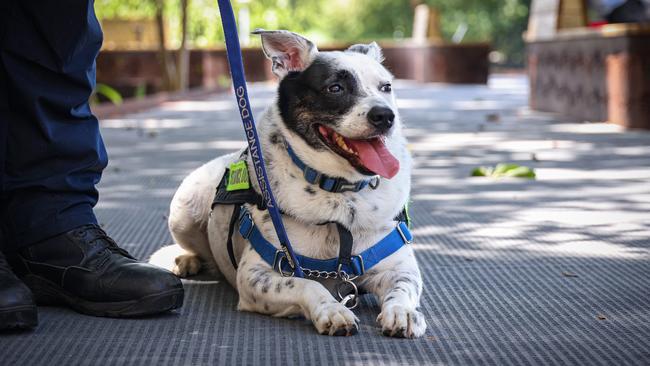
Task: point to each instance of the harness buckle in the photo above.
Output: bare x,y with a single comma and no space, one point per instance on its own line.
342,185
246,214
363,267
401,233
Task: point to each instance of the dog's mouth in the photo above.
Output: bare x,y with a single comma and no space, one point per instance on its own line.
369,156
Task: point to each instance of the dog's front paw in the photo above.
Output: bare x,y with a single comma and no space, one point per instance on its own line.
334,319
402,322
187,265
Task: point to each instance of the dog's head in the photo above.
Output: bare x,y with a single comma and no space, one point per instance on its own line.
338,104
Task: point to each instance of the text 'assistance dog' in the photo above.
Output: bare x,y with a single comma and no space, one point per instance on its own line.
340,172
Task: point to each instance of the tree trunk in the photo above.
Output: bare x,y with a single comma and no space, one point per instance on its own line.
167,62
183,62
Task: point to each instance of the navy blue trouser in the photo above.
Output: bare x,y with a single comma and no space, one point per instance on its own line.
51,152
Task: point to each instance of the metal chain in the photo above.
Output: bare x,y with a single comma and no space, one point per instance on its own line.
319,274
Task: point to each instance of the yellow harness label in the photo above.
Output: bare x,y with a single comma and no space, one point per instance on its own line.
238,177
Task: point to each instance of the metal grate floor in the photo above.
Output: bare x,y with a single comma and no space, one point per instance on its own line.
551,271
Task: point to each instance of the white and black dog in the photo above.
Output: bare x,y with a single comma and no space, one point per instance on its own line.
336,110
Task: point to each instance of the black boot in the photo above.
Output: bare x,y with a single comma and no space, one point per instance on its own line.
85,270
17,307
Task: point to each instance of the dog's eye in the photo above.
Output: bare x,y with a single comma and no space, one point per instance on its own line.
335,88
386,88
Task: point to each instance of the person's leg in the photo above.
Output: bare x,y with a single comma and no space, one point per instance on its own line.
54,157
17,307
54,152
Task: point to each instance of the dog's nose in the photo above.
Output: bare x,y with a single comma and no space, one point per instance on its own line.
381,117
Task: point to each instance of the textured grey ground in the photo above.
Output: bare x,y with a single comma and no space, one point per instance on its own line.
516,272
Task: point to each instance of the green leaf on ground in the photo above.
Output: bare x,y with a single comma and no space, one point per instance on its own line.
504,170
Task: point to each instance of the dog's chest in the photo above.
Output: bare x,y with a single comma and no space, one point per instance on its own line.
312,212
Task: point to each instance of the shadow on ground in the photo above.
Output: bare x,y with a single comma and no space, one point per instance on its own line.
550,271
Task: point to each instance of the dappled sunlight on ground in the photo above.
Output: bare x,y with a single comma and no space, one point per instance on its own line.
515,271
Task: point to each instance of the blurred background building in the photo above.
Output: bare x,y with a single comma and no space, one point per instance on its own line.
580,64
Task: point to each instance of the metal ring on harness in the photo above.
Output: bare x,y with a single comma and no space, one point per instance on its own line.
278,261
353,296
374,183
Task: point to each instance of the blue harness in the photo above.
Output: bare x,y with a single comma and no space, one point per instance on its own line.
352,265
324,268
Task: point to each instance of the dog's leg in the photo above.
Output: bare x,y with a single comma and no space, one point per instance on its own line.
188,218
398,285
263,290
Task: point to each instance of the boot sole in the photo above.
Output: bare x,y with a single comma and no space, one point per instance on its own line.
18,317
49,293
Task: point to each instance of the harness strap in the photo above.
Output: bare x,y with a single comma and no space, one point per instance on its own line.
345,245
358,265
231,231
327,183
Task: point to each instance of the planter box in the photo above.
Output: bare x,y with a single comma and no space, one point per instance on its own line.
446,63
442,63
594,74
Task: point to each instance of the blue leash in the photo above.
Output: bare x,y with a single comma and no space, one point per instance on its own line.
241,94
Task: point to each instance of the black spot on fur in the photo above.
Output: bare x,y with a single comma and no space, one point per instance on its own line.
266,284
289,283
375,207
304,99
292,175
334,204
253,281
310,190
353,199
278,287
266,307
266,217
389,298
353,213
275,138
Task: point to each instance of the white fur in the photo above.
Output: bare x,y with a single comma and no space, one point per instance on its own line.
368,214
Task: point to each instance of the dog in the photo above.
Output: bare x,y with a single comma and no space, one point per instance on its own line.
337,112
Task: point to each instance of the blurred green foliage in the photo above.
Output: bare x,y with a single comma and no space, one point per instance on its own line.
501,22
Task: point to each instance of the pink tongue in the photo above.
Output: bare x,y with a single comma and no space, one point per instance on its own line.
375,156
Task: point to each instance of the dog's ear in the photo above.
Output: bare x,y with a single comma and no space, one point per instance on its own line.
288,51
372,50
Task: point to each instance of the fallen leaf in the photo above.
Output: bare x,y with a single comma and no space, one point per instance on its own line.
492,117
569,274
601,317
